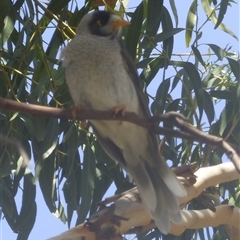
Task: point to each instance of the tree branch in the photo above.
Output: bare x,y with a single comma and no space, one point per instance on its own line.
194,219
186,130
127,212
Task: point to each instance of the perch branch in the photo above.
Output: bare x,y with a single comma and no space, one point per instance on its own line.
186,130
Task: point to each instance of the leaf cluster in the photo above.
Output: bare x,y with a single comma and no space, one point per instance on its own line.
69,164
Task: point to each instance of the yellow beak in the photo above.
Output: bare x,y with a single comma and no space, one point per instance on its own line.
120,23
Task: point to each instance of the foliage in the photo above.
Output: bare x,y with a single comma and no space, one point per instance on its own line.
66,154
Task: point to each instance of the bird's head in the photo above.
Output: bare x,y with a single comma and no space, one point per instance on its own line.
101,23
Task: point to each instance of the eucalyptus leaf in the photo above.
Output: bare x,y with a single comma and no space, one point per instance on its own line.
191,22
87,183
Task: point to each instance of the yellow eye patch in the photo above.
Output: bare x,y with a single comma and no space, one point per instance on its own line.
99,23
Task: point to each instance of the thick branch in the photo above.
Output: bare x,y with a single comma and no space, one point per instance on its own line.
186,130
127,212
194,219
211,176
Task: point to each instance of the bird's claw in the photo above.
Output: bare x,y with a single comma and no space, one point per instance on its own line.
74,109
120,109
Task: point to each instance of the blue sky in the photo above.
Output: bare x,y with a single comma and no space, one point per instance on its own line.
47,225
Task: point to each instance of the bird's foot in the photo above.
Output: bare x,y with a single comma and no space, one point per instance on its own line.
120,109
74,109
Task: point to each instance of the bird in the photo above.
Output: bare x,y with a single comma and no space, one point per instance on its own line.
101,75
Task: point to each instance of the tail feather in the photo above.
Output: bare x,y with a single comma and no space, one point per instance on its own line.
159,193
170,179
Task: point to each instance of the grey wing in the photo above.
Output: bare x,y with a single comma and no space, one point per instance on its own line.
111,149
132,71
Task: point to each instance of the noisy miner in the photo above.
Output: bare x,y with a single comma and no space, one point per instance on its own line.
101,75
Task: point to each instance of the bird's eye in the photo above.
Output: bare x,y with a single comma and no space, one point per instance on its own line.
99,23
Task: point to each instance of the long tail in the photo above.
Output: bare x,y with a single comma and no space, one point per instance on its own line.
159,188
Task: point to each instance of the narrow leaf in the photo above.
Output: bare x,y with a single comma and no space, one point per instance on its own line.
222,11
235,67
218,51
47,182
134,31
154,12
167,25
28,211
87,183
198,55
174,10
208,107
161,96
195,81
153,15
160,37
210,12
7,29
191,22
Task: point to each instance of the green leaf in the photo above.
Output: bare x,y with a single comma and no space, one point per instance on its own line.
222,11
225,118
195,81
134,31
198,55
151,70
174,10
235,67
7,202
30,8
168,43
237,201
29,223
177,78
201,234
195,157
110,168
38,125
55,6
218,51
224,94
158,105
70,210
211,13
143,63
160,37
58,76
47,182
220,234
18,4
87,183
191,22
9,22
101,185
208,106
27,216
17,178
173,106
154,11
71,169
61,214
50,138
54,44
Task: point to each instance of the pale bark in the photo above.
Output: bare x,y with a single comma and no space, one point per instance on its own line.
128,212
